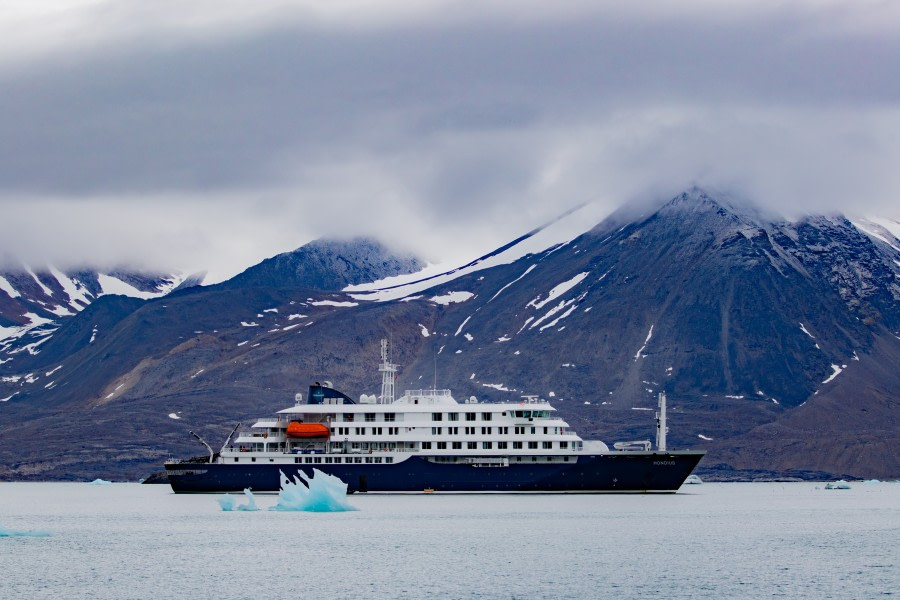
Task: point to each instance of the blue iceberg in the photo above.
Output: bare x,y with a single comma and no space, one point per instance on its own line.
321,493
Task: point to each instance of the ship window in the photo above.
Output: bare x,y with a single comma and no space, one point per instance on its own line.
533,430
437,416
368,459
501,445
485,431
426,445
388,459
317,459
470,431
532,445
453,416
564,445
545,430
548,445
486,416
390,417
470,416
471,445
487,445
357,459
376,430
252,459
565,459
442,445
236,459
377,459
360,430
370,417
517,445
328,459
457,445
453,430
348,418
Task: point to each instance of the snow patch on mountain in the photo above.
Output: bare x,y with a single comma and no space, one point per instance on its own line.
884,230
461,325
527,271
553,235
115,286
79,296
559,290
334,303
452,297
835,371
8,288
638,354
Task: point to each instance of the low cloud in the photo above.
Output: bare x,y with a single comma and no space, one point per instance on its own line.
214,136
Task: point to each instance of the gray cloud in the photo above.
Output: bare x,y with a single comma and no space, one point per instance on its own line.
231,134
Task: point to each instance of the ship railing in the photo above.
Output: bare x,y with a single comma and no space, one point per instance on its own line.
428,393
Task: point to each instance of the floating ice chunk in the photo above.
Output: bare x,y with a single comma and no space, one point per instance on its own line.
703,437
4,532
838,485
174,416
425,332
321,493
227,502
99,481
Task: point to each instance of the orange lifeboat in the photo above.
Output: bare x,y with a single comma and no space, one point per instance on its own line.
297,429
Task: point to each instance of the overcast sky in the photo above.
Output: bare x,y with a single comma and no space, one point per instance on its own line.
212,134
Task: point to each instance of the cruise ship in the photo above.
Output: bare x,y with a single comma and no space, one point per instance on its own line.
426,441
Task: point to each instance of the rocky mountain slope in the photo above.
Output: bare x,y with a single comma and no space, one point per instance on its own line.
777,343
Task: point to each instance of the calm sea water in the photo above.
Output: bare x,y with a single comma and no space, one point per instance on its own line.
759,540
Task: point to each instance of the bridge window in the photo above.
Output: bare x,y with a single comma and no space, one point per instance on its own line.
453,416
470,416
437,416
370,417
486,416
390,417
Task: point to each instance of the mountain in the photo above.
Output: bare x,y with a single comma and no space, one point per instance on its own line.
776,341
34,302
327,265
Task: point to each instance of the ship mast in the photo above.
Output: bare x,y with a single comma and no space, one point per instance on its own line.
661,428
388,372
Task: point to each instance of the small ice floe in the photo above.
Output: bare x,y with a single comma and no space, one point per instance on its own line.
838,485
227,502
174,416
4,532
321,493
693,480
704,438
99,481
871,481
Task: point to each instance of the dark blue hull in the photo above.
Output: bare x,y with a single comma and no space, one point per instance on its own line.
614,472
